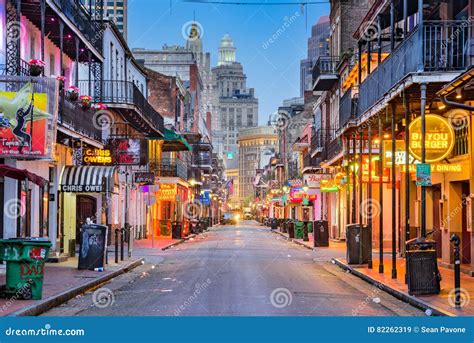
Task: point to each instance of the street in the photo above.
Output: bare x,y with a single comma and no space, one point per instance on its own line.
242,270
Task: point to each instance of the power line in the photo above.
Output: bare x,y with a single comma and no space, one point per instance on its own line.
267,3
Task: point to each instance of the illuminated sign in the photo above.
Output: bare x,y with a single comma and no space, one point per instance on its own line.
439,138
329,186
129,151
94,156
400,160
375,174
167,192
313,180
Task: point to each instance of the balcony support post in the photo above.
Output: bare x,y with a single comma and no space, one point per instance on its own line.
89,64
61,46
354,195
379,41
405,18
348,175
369,191
369,57
407,168
13,56
421,63
394,196
423,156
359,44
359,172
43,18
76,76
381,152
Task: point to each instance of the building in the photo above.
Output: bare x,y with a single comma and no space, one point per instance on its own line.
384,94
257,146
318,45
89,133
115,10
236,105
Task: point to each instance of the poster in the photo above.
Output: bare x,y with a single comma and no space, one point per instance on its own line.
423,174
26,123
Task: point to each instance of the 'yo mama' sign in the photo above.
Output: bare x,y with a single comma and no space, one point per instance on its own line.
439,138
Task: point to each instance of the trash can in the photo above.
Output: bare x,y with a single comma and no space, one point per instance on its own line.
310,227
423,276
298,229
281,225
273,224
177,230
321,233
291,229
358,239
25,259
92,247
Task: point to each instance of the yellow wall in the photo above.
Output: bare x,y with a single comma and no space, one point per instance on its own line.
69,212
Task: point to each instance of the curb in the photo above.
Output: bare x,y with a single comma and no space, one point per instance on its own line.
293,240
182,240
58,299
405,297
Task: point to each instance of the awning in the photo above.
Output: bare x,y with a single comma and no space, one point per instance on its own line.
21,174
173,141
89,179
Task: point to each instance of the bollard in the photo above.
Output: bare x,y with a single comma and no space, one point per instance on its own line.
457,270
116,245
122,239
305,232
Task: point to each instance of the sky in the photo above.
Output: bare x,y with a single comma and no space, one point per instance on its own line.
272,65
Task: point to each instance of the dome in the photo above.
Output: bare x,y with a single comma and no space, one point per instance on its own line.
227,42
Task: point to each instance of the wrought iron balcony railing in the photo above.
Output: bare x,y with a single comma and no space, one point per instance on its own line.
170,168
325,73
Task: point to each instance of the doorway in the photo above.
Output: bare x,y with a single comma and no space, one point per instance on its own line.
466,235
86,207
437,229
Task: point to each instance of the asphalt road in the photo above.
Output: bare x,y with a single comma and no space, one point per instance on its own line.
242,270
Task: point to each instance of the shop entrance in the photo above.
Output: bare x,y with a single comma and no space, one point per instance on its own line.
466,235
437,229
86,207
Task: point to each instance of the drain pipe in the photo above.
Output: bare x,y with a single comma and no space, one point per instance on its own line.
454,104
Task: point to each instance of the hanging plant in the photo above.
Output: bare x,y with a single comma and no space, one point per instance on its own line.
86,101
61,80
100,106
73,93
36,67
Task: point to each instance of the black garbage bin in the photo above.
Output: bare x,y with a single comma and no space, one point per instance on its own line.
273,224
92,246
290,226
358,243
423,276
321,233
177,230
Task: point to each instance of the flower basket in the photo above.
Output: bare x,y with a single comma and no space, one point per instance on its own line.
73,93
86,101
36,67
61,80
100,106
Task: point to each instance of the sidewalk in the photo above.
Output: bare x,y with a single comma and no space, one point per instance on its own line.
63,281
439,304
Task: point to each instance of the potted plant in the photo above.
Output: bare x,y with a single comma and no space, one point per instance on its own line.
61,80
86,101
36,67
73,93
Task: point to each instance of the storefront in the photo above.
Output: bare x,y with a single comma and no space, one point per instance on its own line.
87,192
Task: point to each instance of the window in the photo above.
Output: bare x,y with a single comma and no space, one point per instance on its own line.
32,47
52,64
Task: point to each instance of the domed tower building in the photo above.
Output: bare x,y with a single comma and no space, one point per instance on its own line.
226,51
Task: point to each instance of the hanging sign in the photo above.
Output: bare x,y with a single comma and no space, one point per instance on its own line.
144,177
423,175
95,156
313,180
129,151
439,138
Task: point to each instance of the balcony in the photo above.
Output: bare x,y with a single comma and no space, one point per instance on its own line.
333,148
72,116
301,144
170,168
347,108
325,73
125,96
446,47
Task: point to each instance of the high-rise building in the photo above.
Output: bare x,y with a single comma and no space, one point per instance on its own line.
235,106
257,145
117,11
318,45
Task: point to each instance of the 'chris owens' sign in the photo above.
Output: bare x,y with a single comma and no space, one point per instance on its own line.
94,156
439,138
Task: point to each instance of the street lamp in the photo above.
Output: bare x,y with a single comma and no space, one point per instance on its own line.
306,187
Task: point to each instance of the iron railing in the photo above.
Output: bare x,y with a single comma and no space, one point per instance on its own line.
333,148
122,92
347,108
325,65
170,167
445,46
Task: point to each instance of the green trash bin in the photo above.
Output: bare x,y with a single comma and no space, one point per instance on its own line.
310,227
299,230
25,259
